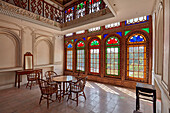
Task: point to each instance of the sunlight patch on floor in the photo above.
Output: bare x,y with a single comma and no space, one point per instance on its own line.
89,85
107,89
126,91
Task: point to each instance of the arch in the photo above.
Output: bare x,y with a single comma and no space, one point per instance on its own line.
94,49
112,56
80,55
17,43
50,45
137,52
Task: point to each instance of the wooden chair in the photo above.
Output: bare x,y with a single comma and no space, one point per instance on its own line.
49,75
47,90
78,89
32,78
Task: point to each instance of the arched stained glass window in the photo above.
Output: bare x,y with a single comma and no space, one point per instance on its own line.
80,56
136,57
69,59
113,56
94,56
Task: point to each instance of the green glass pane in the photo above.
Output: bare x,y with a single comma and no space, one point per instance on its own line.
146,29
126,32
81,5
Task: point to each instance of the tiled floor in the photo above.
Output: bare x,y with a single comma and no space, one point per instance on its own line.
101,98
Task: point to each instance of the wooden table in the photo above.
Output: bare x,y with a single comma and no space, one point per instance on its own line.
145,90
64,79
24,72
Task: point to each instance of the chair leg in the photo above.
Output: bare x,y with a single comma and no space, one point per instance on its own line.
47,101
40,99
27,84
84,95
77,98
31,85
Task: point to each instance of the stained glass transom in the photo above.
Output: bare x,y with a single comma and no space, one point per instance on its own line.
95,42
80,44
112,41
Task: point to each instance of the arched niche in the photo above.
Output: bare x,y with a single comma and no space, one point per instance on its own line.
43,51
10,49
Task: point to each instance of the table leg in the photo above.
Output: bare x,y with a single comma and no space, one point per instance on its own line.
15,79
18,81
63,89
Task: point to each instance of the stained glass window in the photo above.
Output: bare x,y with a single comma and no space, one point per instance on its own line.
94,29
137,20
69,57
117,24
80,9
69,14
80,56
94,56
112,56
136,57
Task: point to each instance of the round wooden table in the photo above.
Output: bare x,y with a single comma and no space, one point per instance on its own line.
64,80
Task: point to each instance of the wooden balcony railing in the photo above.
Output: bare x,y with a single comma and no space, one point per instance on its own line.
82,8
73,11
40,7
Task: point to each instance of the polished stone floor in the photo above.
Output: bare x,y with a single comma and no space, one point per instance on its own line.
101,98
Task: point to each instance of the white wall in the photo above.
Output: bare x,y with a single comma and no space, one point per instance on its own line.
18,37
161,54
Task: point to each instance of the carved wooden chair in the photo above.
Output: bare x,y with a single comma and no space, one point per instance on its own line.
32,78
47,90
78,89
49,77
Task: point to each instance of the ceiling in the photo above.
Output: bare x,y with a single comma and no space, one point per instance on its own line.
123,10
63,2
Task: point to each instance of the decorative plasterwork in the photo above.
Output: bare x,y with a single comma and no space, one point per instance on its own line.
13,11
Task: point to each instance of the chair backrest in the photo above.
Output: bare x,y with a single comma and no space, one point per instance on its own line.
34,75
49,75
82,82
45,87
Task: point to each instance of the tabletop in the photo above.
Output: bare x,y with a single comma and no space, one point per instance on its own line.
63,78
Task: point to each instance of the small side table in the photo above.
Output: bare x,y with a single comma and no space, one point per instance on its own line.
147,91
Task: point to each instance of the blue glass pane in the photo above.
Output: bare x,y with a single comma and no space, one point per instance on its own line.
75,40
72,8
119,33
69,46
148,17
105,35
136,39
65,11
84,38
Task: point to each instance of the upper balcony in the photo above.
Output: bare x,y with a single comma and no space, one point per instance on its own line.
59,14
